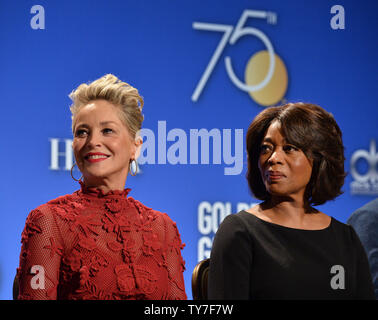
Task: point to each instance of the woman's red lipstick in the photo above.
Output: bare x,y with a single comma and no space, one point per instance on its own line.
95,157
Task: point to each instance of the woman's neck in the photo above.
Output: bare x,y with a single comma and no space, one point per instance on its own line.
105,185
288,205
287,210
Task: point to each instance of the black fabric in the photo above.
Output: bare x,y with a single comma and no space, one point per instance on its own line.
255,259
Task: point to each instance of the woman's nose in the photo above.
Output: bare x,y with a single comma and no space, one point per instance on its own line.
275,157
94,139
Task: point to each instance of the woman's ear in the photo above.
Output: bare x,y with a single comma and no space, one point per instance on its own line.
138,146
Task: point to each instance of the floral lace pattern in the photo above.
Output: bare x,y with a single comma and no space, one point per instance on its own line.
93,245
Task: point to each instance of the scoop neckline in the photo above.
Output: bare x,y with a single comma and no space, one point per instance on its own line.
290,228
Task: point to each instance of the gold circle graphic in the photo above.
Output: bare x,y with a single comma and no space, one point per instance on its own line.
256,71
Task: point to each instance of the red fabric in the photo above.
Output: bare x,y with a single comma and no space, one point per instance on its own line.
93,245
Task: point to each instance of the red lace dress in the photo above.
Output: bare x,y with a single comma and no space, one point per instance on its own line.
91,245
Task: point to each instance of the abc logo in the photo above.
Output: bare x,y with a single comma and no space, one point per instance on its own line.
371,157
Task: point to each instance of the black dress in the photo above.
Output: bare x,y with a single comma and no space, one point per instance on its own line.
255,259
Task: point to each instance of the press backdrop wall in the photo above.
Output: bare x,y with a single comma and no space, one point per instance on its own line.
205,69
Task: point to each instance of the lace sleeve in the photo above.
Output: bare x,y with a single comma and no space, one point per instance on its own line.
175,262
40,257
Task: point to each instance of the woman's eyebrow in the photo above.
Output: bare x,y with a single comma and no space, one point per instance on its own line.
268,139
104,123
82,125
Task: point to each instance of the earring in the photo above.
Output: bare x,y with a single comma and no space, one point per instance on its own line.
72,174
133,167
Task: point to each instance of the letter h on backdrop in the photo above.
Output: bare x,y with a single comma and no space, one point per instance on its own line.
67,154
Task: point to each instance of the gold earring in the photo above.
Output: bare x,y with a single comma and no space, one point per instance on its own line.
72,174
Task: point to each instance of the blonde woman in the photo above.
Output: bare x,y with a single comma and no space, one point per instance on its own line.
99,243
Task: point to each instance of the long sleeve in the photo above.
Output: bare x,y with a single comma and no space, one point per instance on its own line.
365,223
95,246
175,262
364,282
40,257
230,261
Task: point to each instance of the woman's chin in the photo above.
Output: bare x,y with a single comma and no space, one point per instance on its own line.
275,190
94,177
278,192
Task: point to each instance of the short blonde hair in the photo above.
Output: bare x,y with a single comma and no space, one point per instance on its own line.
113,90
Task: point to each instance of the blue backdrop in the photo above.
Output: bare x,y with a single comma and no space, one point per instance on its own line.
191,61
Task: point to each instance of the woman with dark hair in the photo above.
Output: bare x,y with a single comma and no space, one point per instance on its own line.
283,248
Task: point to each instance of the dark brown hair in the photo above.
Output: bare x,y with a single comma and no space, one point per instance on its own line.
314,131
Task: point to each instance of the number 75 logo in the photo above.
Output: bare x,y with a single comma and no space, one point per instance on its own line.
265,75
